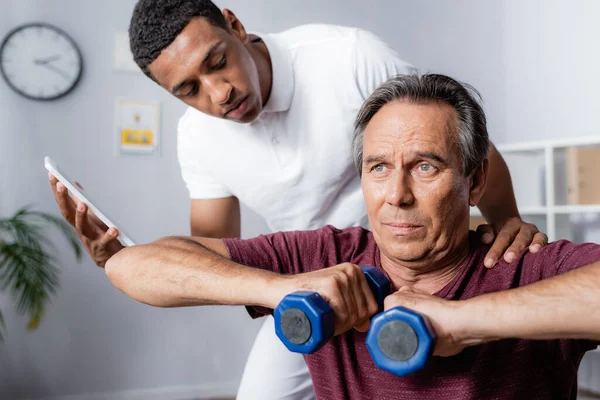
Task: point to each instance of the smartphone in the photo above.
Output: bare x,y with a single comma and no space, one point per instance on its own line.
75,191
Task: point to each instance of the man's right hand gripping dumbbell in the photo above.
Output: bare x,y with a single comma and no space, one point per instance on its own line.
329,302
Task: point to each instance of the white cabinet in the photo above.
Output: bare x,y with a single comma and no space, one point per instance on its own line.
539,172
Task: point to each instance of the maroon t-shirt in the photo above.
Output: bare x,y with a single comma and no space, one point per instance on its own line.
506,369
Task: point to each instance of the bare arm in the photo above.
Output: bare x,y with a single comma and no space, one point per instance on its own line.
566,306
215,218
498,203
183,271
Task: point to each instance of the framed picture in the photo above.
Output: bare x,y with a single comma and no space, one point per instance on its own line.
137,127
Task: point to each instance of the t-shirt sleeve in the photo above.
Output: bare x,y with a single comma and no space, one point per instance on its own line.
200,182
558,258
282,252
375,62
298,251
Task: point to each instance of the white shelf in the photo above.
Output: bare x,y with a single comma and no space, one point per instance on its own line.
533,210
568,209
523,211
576,209
544,144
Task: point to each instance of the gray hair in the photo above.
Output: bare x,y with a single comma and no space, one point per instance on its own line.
422,89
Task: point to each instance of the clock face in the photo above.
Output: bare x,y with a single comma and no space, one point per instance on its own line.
40,62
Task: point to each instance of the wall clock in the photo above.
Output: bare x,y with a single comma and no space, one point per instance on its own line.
40,61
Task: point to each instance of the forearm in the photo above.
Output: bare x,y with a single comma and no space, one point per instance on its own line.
179,272
563,307
498,202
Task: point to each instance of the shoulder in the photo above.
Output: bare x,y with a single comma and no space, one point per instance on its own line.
301,251
315,35
561,256
344,37
337,41
327,235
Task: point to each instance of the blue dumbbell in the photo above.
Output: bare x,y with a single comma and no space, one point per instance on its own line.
304,321
400,341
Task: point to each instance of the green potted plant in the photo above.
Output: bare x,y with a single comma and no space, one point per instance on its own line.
28,267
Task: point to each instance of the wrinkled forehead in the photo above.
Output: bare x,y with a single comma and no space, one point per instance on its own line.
402,127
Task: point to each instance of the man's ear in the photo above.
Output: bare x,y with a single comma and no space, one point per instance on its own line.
235,25
478,183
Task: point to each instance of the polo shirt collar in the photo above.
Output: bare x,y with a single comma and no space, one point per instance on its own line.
282,88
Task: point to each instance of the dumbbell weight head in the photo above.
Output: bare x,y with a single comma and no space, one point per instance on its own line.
400,341
304,321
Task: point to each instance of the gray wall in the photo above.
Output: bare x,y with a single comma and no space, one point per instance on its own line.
93,338
534,62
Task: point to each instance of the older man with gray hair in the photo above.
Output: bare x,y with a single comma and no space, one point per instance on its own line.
420,145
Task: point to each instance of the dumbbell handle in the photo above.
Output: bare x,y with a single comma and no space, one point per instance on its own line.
304,321
400,341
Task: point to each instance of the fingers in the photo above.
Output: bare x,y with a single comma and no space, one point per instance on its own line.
65,203
364,326
108,237
346,314
351,299
503,240
396,299
94,220
105,247
486,233
371,306
523,239
515,236
346,289
540,240
82,224
365,302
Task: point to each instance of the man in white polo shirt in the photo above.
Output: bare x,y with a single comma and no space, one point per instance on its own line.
270,125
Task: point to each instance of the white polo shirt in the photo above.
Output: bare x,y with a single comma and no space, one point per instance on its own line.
293,164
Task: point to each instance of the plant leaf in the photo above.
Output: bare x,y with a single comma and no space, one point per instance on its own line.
65,228
27,268
31,276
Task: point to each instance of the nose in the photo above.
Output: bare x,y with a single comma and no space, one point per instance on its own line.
218,90
398,191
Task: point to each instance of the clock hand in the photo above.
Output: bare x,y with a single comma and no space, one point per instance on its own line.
44,61
57,70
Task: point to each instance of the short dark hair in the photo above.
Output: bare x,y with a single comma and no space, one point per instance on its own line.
156,23
472,132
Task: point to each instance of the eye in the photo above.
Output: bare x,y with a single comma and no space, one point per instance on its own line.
378,168
193,89
426,168
222,62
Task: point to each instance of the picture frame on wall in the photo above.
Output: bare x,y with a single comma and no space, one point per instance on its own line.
137,127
